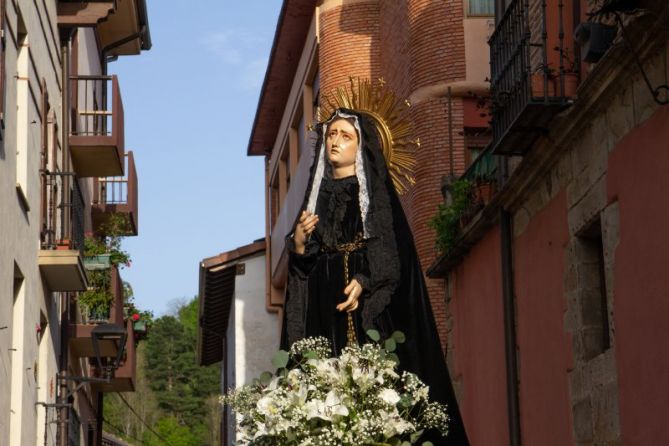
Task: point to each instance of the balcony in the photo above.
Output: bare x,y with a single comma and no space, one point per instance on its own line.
116,196
62,235
122,26
81,343
124,377
535,71
96,128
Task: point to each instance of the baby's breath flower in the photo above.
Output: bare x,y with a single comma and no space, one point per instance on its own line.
356,398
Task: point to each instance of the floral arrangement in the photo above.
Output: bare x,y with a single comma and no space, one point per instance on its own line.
358,398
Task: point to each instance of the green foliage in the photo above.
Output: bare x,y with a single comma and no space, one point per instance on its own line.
176,434
108,241
96,301
179,384
179,398
446,221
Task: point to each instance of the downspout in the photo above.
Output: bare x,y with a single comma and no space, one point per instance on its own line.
103,53
511,359
65,38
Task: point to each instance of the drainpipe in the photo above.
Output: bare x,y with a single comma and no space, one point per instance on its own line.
513,403
103,54
65,38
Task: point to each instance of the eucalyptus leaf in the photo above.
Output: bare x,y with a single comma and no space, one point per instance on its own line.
310,355
280,359
399,337
390,345
427,443
373,335
265,378
406,443
394,357
416,435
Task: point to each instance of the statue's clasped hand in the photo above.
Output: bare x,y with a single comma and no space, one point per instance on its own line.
305,226
353,291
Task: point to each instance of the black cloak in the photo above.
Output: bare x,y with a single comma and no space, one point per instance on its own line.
394,293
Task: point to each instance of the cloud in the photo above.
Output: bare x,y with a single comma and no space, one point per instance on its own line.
242,49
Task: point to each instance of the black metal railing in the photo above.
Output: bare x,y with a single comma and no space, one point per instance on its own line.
483,168
64,220
532,65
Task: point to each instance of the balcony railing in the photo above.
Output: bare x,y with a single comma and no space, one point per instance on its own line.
96,127
64,222
117,195
81,328
534,71
62,235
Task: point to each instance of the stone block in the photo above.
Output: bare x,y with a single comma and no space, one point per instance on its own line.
589,279
644,104
620,116
578,387
610,221
561,173
583,429
588,208
592,313
570,278
606,414
591,342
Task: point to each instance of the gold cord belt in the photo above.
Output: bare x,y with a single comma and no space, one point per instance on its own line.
346,249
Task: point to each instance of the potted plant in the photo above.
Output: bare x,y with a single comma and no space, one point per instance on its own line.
95,303
543,82
569,74
101,253
452,215
484,188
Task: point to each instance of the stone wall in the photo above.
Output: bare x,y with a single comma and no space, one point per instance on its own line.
590,256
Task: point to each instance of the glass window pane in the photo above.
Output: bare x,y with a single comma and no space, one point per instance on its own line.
482,7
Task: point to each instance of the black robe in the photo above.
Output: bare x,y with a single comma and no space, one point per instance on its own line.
394,293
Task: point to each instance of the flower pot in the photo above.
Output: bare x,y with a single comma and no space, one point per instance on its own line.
538,87
102,261
484,192
570,84
98,315
139,326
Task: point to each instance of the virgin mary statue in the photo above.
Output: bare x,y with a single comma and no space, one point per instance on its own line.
352,260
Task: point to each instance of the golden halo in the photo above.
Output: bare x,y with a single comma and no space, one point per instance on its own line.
389,116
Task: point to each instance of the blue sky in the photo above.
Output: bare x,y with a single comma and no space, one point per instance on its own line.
189,105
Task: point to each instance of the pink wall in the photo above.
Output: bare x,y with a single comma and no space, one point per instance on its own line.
479,342
545,348
638,178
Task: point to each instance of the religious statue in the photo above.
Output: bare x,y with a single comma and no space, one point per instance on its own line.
353,264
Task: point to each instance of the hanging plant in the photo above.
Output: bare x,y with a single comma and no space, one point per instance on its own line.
446,222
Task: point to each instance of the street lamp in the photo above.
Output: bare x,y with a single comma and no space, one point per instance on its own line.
110,333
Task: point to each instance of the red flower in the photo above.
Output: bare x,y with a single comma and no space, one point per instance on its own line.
135,317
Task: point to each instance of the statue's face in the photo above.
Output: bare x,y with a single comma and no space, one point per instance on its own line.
341,143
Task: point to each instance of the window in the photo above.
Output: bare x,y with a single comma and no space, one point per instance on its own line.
23,107
482,7
595,331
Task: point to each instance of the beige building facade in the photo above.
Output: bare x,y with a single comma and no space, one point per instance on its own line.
50,198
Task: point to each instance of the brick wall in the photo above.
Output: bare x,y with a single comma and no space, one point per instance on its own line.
349,43
437,55
411,44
